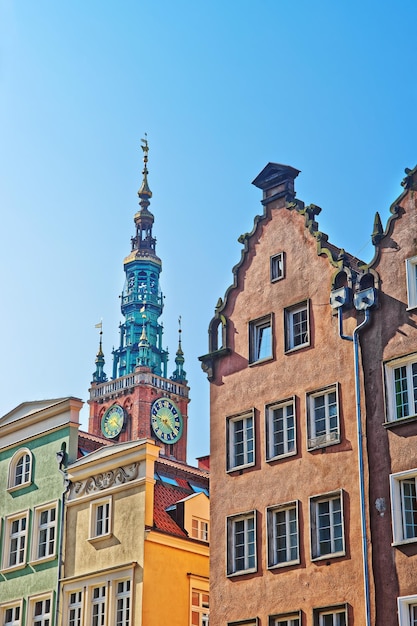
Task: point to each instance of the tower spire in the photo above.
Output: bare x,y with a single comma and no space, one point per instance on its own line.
99,376
179,374
141,342
144,193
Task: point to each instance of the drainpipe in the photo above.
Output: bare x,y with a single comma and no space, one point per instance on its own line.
61,457
355,339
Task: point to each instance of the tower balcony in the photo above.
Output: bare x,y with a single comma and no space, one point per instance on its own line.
105,391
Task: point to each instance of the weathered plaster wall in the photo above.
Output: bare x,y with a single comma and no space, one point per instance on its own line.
393,333
238,387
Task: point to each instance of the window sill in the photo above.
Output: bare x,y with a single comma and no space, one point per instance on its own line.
266,359
400,421
323,444
42,559
286,564
326,557
237,468
99,538
285,455
295,348
404,542
242,572
411,307
13,568
17,487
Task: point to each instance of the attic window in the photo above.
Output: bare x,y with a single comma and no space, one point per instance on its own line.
198,488
166,479
277,267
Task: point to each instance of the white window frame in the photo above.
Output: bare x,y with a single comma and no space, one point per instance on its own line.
46,532
12,607
240,454
21,536
75,608
101,523
277,267
390,368
287,619
202,608
123,602
405,605
294,338
330,435
199,528
99,603
288,440
45,604
333,611
112,603
256,349
398,503
289,511
333,499
14,482
411,274
249,536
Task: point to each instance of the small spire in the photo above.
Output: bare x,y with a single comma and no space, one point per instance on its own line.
144,193
143,345
378,231
179,374
99,376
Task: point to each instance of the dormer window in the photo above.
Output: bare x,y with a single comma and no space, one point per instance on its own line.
20,469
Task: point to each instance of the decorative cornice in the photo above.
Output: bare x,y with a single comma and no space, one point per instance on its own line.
105,480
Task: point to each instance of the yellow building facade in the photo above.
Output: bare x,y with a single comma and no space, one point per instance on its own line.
136,540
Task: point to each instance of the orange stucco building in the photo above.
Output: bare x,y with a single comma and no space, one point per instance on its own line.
297,400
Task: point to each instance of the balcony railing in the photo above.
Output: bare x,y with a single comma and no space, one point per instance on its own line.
131,380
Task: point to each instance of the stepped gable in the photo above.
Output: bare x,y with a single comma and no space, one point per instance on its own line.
277,183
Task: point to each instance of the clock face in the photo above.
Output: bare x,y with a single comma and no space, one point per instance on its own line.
112,421
166,420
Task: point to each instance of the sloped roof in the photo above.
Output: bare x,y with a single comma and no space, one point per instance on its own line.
30,408
164,497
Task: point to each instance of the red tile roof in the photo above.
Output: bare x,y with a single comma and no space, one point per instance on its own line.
165,496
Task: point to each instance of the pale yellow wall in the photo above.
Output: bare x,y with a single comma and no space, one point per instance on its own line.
88,561
197,506
124,546
170,572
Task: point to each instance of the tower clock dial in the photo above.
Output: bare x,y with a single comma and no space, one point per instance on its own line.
166,420
112,421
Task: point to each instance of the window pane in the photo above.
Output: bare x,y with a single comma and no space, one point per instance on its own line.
263,343
401,394
409,508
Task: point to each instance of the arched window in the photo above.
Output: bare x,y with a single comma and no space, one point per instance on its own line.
217,333
20,469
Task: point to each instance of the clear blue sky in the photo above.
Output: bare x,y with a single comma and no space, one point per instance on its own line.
221,88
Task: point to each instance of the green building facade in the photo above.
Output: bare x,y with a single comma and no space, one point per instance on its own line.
37,441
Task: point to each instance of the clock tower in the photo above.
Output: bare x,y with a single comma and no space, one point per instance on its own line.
141,401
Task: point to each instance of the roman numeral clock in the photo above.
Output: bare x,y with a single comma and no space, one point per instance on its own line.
166,420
